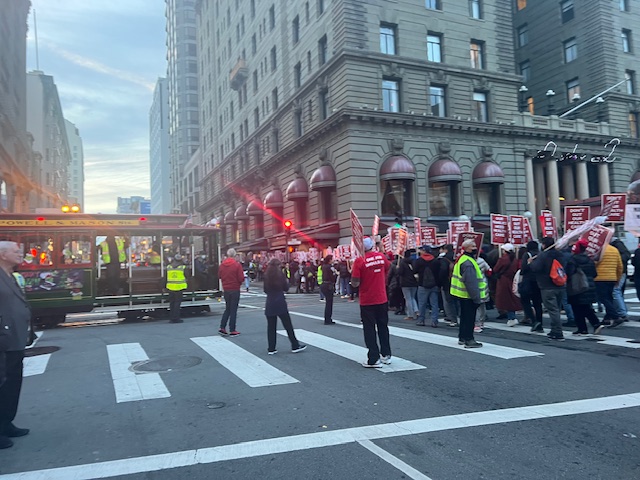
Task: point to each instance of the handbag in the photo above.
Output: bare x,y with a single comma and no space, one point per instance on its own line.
578,283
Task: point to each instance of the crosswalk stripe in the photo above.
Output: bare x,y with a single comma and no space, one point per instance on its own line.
350,351
35,365
252,370
601,339
129,386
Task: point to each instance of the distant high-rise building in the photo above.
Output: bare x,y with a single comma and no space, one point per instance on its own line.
19,168
182,77
76,169
159,150
134,204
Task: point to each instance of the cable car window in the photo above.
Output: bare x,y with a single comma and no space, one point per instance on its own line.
38,250
76,250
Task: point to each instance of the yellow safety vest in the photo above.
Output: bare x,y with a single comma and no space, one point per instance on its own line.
154,258
319,274
458,288
176,279
106,256
19,280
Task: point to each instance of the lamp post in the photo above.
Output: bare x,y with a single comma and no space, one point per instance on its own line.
523,100
600,106
550,107
463,218
574,101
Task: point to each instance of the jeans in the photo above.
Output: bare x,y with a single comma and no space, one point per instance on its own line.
428,297
272,322
567,308
511,315
410,300
247,281
327,290
481,313
345,288
467,319
231,300
534,314
552,299
618,297
175,299
604,291
451,306
376,317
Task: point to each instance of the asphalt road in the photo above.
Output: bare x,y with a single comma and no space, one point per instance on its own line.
221,408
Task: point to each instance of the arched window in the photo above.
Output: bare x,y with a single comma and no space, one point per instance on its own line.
298,193
444,188
274,203
487,188
255,210
397,176
242,219
324,182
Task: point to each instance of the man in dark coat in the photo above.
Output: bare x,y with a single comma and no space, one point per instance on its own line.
428,292
529,291
582,302
15,317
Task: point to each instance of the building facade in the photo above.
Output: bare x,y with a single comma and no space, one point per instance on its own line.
19,166
46,123
401,109
182,78
159,150
134,204
76,168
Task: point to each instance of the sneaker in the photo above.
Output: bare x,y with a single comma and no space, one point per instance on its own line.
512,323
477,329
472,344
322,299
370,365
579,332
408,318
434,324
616,322
351,300
555,336
598,329
537,327
420,324
300,348
386,359
272,352
234,333
453,324
222,331
460,342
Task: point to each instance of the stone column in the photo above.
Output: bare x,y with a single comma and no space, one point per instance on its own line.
568,185
582,180
539,188
553,188
531,194
603,178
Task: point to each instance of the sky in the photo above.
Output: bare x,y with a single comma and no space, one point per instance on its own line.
105,57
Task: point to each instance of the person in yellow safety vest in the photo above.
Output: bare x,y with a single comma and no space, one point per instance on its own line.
470,287
319,278
108,248
154,258
176,284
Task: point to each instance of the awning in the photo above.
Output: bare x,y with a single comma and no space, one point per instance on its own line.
241,213
397,168
229,218
445,170
635,177
274,199
253,246
488,172
328,233
323,177
298,189
255,209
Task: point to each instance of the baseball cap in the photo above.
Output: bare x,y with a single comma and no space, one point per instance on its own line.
368,244
508,247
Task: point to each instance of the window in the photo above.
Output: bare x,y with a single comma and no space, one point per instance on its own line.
523,35
323,105
525,71
256,118
433,4
486,198
297,75
521,4
255,81
306,12
437,101
295,29
38,250
480,106
274,98
630,77
320,7
633,124
298,123
434,48
390,95
626,41
624,6
570,50
272,17
253,8
388,39
254,45
475,9
274,59
443,199
477,54
322,50
396,197
566,10
328,208
573,90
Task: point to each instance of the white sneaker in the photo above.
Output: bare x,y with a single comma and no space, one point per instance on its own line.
375,365
386,359
477,329
512,323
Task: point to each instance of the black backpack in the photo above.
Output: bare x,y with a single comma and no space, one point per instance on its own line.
428,278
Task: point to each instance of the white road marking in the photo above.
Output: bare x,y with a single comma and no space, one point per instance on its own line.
306,441
394,461
35,365
601,339
130,386
352,352
252,370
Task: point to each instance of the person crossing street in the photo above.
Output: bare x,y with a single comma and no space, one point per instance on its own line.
176,284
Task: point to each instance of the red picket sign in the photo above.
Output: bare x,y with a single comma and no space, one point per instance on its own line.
499,229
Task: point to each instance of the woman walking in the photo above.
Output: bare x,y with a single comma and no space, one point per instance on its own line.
581,302
327,288
275,284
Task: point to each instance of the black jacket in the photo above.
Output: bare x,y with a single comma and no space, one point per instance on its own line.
423,262
529,285
583,262
541,267
406,273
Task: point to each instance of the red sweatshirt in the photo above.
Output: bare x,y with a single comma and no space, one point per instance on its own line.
231,274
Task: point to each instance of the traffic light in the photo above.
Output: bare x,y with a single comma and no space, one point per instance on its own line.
287,225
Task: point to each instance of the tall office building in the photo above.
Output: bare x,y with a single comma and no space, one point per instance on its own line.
182,78
159,150
45,121
19,167
397,108
134,204
76,168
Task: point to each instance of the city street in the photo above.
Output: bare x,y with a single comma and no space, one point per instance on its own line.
154,400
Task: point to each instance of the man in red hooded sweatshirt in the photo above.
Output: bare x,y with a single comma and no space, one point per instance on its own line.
428,291
232,276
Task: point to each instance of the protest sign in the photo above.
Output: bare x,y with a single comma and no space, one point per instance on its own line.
428,235
357,233
575,216
517,230
613,206
598,236
499,229
376,226
548,224
417,227
476,237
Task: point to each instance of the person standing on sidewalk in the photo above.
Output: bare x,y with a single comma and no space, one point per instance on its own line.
231,276
370,272
176,284
275,284
470,287
551,293
327,287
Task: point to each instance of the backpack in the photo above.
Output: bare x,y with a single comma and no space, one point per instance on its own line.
428,279
515,285
557,274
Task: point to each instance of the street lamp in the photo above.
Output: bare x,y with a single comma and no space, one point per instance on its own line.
523,100
600,105
463,218
550,108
